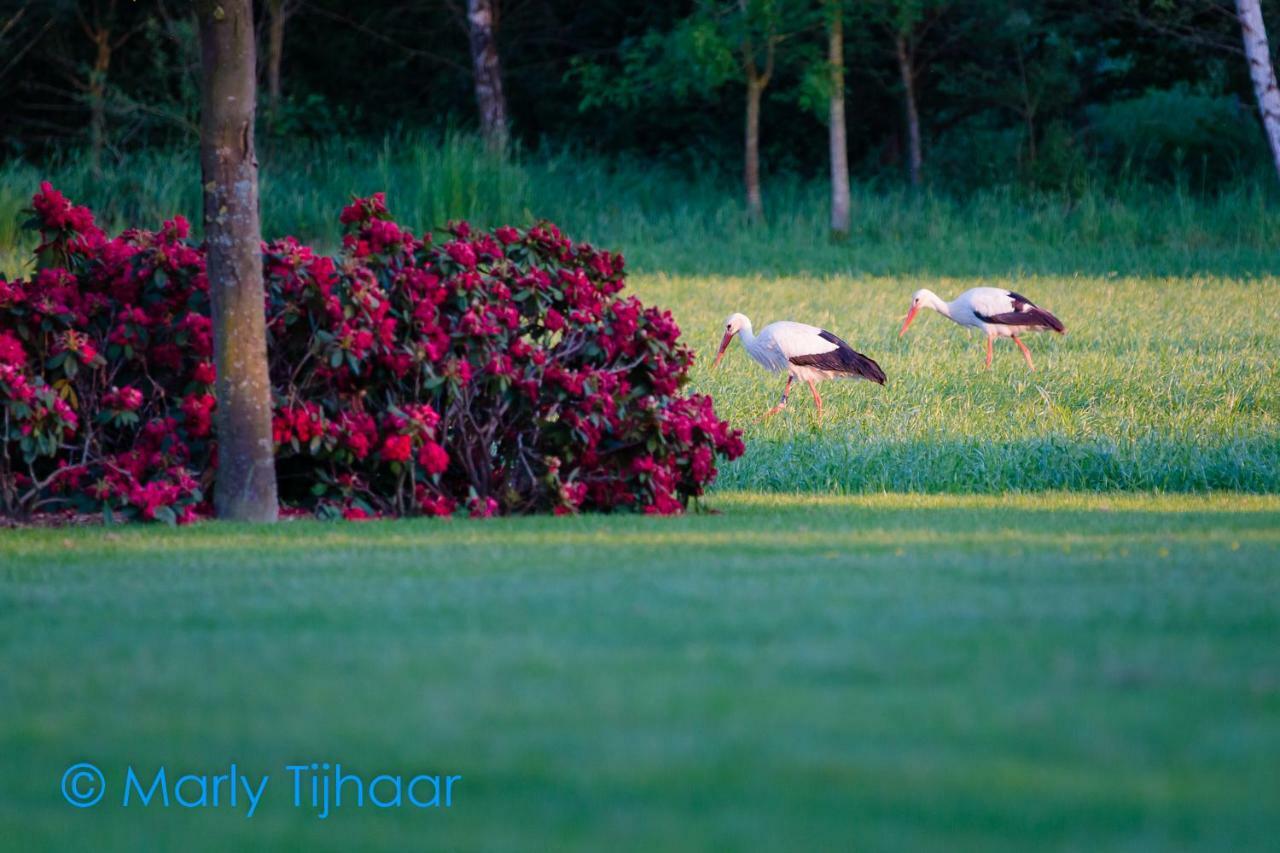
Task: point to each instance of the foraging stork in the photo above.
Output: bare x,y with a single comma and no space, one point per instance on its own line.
805,352
997,312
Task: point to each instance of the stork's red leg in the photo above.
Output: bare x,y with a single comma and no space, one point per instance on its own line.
817,398
782,404
1026,353
990,338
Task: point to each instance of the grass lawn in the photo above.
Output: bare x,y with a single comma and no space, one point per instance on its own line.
1050,671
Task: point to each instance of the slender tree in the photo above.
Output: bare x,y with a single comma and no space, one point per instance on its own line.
246,480
102,26
905,53
1258,53
278,14
836,130
758,70
482,21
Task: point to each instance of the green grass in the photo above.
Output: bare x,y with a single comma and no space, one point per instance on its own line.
668,221
1167,384
881,672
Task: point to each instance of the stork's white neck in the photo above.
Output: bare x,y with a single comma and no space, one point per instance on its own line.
936,302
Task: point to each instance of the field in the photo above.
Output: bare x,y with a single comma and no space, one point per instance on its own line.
971,610
1166,384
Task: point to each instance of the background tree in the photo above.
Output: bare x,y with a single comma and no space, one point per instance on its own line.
246,482
278,14
721,42
482,23
908,23
837,134
1127,90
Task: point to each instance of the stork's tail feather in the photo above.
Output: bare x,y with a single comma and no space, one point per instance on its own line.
1047,319
843,360
867,368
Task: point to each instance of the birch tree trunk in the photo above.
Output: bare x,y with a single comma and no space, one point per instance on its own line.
1261,71
482,19
837,135
245,489
906,68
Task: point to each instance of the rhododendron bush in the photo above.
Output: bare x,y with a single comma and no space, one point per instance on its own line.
482,372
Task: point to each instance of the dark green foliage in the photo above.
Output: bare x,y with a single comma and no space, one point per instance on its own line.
1051,94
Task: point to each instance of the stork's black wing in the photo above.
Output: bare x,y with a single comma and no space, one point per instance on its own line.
1024,313
843,359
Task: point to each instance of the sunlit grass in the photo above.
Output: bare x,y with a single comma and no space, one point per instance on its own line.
1167,384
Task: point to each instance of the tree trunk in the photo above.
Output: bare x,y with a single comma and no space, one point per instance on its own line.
1258,53
98,98
482,17
906,69
751,160
275,50
245,489
837,135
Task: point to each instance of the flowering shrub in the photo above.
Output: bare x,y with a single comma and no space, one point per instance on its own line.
489,373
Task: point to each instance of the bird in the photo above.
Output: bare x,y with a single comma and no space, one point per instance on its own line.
997,312
805,352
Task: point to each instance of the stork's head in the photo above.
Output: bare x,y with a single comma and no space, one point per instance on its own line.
921,298
732,326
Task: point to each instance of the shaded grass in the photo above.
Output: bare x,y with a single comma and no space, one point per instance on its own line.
669,221
887,672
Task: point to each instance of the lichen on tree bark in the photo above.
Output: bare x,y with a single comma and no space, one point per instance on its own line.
246,485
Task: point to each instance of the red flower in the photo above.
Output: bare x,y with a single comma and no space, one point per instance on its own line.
462,254
433,458
199,411
126,399
397,448
11,350
204,373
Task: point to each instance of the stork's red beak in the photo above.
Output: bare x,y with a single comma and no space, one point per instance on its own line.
911,315
724,345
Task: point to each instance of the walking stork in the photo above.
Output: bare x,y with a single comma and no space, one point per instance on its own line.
805,352
997,312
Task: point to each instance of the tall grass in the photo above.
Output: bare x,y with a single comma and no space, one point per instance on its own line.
667,220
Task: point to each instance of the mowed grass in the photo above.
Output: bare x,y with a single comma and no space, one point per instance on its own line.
1170,384
879,672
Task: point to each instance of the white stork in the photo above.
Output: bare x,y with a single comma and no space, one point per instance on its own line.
997,312
805,352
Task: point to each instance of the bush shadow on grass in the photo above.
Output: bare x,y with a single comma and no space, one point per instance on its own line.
974,466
